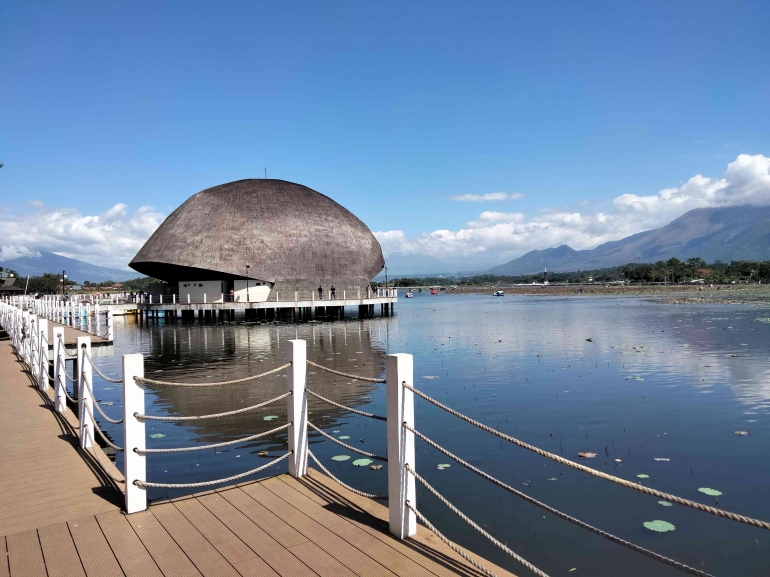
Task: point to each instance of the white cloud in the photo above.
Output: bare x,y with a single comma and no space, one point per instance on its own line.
496,237
490,196
111,238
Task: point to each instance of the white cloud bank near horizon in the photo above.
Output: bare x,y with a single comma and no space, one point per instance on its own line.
497,237
113,237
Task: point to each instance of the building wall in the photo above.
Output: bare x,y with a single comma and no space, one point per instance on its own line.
213,289
258,291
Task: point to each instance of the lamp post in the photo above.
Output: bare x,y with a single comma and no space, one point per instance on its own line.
63,280
247,282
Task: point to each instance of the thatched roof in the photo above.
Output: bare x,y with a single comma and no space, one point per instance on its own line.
281,229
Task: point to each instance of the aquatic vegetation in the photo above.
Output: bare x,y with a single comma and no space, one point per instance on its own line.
340,457
362,462
157,436
659,526
711,492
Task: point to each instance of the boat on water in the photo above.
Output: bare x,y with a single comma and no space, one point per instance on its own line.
434,291
410,295
499,293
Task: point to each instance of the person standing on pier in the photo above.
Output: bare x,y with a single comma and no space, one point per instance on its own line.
320,293
333,292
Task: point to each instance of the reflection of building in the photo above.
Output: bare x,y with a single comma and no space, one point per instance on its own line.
257,238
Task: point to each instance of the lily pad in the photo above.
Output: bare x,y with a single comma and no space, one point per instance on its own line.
362,462
107,403
343,437
659,526
161,435
643,476
711,492
741,433
269,417
665,503
661,459
587,455
444,465
430,377
341,458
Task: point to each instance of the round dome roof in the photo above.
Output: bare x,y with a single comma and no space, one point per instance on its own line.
281,229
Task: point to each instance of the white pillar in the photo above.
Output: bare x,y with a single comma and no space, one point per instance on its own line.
133,433
110,336
401,485
188,298
85,400
32,337
173,298
59,366
297,405
42,340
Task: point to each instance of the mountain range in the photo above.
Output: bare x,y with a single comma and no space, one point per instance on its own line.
725,233
77,270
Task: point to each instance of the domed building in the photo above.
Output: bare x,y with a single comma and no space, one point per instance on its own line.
259,240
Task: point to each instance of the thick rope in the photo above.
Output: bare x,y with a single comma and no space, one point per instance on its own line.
213,446
214,416
63,367
219,384
470,522
66,352
101,374
348,447
208,483
348,375
98,430
96,456
352,410
594,472
348,487
96,403
578,522
449,544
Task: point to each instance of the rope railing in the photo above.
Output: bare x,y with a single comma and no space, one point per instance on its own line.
66,352
573,520
348,447
218,384
101,374
98,430
470,522
63,370
97,404
214,445
594,472
351,409
348,487
215,415
215,482
348,375
96,457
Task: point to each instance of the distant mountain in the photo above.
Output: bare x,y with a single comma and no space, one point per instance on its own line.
729,233
77,270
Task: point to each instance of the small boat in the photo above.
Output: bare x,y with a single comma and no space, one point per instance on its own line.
499,293
410,295
434,291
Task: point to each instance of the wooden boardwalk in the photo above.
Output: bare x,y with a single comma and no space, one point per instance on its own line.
71,335
59,516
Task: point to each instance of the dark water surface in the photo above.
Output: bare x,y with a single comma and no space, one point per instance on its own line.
657,381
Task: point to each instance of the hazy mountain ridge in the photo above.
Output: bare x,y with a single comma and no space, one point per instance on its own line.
77,270
726,234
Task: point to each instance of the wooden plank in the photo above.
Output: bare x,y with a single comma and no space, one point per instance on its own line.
43,518
24,554
225,541
167,554
5,571
320,561
94,551
348,554
61,557
269,550
202,553
127,547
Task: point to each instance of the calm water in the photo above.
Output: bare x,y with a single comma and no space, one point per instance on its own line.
657,381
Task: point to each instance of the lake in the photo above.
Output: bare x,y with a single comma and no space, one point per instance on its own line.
658,390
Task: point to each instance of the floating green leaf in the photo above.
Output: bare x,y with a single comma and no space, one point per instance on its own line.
343,437
362,462
444,465
643,476
341,458
712,492
269,417
161,435
659,526
107,403
664,503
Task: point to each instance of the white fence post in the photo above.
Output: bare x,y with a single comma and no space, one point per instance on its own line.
297,405
133,433
400,405
173,298
109,324
85,400
59,366
42,339
32,338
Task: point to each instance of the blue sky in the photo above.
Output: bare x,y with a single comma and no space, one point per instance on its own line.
390,108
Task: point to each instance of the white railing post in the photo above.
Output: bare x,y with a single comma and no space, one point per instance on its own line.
109,324
400,405
297,405
133,433
204,298
59,366
42,339
188,298
85,400
32,337
173,298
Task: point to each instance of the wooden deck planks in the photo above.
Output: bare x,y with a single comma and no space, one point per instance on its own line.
94,551
24,554
128,549
169,557
61,556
